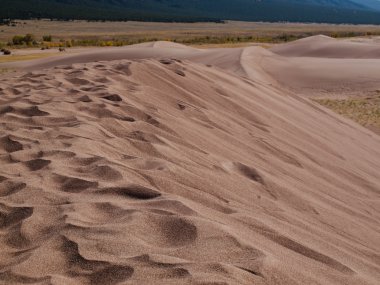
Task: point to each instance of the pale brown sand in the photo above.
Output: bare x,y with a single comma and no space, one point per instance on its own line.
142,169
320,66
326,47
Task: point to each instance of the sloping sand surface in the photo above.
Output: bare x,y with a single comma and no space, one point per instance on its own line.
322,66
323,46
140,51
162,164
316,66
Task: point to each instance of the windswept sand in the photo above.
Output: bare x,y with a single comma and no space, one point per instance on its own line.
163,164
326,47
320,66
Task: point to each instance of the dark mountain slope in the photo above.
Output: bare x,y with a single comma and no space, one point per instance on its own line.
372,4
331,11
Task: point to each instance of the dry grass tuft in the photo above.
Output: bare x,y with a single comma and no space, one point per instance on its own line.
12,58
365,111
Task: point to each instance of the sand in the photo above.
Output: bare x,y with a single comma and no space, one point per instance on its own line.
320,66
164,164
326,47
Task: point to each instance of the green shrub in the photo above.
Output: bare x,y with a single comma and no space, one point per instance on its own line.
6,51
28,39
47,38
18,40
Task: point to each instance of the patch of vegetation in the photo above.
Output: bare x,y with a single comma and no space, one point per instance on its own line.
240,39
28,40
13,58
55,34
47,38
20,41
365,111
87,33
5,51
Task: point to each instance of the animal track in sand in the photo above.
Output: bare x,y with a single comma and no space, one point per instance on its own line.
86,161
10,216
15,237
251,174
113,98
96,272
59,154
85,99
10,145
140,115
13,278
165,230
171,205
15,91
37,164
124,68
102,172
301,249
78,81
73,184
144,137
6,109
149,164
181,106
113,274
251,271
33,111
105,111
180,72
93,88
47,121
247,171
9,187
131,191
167,61
96,216
280,154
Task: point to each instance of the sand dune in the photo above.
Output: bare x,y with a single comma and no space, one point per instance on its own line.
321,66
314,66
323,46
162,164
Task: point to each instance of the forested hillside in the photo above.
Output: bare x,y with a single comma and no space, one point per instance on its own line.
337,11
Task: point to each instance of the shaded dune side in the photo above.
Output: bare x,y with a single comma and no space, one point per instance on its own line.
173,172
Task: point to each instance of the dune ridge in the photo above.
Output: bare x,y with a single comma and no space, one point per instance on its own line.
327,47
162,164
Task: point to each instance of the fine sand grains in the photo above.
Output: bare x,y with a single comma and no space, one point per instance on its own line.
166,170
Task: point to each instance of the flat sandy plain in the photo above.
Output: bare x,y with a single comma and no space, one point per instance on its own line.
80,30
166,164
